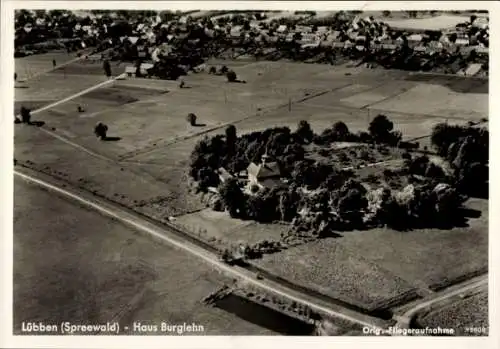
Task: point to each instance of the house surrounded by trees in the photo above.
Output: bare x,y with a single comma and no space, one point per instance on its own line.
266,174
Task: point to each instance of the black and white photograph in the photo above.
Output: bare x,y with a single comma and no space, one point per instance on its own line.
248,172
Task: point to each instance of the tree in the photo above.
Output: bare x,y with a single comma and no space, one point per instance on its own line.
448,201
341,130
419,165
191,118
380,128
304,131
386,13
100,130
434,171
297,36
473,179
288,203
107,68
379,205
25,115
232,197
231,138
231,76
352,202
207,178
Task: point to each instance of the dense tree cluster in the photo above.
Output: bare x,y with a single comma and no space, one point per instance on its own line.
235,153
320,197
467,150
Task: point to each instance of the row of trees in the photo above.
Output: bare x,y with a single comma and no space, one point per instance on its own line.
380,131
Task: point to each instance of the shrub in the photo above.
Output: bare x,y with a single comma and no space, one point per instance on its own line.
304,131
232,197
191,118
434,171
25,115
231,76
100,130
380,128
418,166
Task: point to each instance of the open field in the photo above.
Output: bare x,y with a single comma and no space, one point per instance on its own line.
441,22
104,177
25,67
219,225
333,270
90,67
421,259
53,86
439,101
145,119
461,315
64,270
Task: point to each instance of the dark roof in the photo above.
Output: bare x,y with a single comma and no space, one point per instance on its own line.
268,170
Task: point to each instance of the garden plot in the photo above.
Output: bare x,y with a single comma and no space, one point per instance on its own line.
331,269
439,101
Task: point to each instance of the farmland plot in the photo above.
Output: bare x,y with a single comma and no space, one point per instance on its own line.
64,269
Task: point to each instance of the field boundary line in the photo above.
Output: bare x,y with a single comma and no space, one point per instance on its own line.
127,156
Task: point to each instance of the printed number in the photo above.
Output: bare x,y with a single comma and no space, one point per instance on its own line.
476,330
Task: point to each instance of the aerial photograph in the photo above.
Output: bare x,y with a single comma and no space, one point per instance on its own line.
250,172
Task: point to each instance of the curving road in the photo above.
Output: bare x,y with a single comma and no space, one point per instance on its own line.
210,258
405,319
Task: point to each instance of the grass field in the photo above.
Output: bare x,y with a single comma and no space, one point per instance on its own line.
127,185
52,86
26,67
220,226
332,269
64,269
392,261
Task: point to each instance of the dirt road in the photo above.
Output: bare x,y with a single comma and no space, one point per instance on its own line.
208,257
